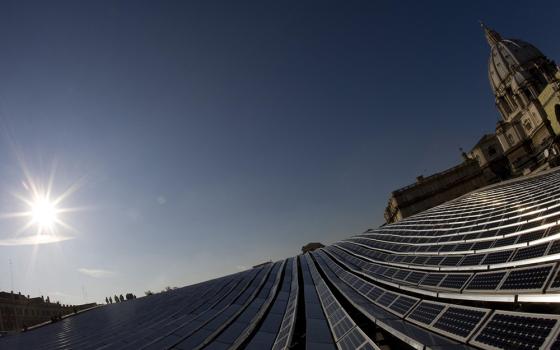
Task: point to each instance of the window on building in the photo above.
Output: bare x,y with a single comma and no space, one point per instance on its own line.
528,93
528,125
510,139
505,105
491,150
511,99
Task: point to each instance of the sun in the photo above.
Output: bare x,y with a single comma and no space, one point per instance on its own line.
43,209
44,213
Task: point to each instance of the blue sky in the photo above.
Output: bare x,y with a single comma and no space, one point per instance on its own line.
210,136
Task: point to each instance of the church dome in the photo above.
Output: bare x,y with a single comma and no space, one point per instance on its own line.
506,57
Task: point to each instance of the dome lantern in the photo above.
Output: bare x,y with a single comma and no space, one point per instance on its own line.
492,36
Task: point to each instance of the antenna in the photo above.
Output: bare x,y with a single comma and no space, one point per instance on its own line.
11,274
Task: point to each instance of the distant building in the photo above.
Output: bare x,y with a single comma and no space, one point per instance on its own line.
18,312
309,247
427,192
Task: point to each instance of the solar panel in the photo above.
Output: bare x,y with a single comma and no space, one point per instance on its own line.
415,277
341,326
421,260
486,234
531,236
408,259
507,330
460,323
403,304
381,270
433,279
532,278
426,312
497,257
508,230
434,260
285,333
463,247
554,247
389,272
534,251
482,245
387,298
318,330
353,340
532,224
451,261
555,284
454,281
553,230
446,248
470,260
486,281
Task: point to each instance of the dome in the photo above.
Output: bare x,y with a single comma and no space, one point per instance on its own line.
505,56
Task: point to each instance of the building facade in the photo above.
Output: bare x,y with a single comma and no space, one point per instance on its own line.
489,154
525,86
19,312
427,192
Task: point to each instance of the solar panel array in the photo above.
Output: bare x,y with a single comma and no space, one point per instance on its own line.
479,272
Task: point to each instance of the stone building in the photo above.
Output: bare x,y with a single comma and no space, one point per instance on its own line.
526,92
427,192
19,312
489,154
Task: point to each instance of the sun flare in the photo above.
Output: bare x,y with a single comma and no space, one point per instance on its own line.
44,214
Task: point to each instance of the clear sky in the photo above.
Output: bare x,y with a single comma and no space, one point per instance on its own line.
208,136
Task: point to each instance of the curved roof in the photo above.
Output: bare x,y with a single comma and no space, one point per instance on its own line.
446,278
